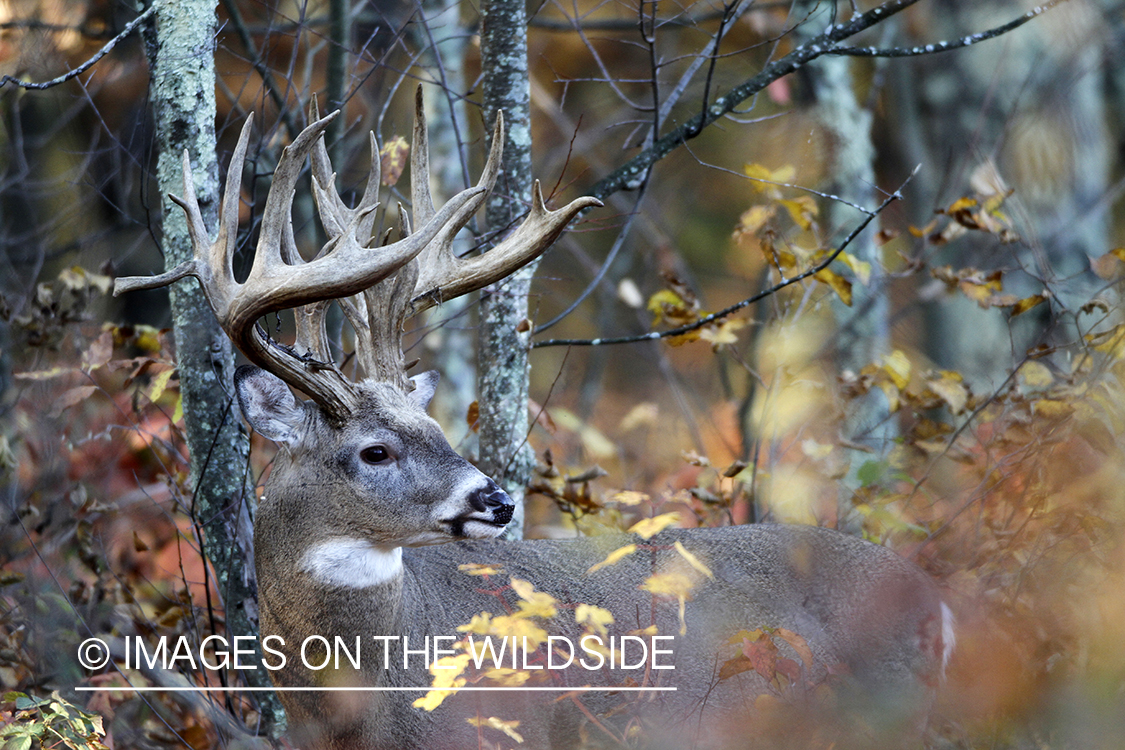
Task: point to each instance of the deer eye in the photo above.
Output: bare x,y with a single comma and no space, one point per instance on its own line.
375,454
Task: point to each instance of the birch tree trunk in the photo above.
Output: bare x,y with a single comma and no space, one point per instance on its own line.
181,50
864,327
504,335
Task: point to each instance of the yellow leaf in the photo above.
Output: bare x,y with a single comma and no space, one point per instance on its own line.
432,699
535,603
643,414
693,561
672,583
802,210
951,390
159,383
978,293
1036,375
507,677
861,268
723,333
799,644
660,301
448,669
755,217
629,497
649,527
683,338
514,626
839,284
961,204
178,413
480,624
507,727
613,557
477,569
786,174
392,159
446,673
596,617
1026,304
757,172
897,366
1053,409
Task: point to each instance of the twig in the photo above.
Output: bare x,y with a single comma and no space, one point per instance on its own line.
148,12
261,68
945,46
709,319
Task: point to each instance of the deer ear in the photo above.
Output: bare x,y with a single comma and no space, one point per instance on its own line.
424,387
268,404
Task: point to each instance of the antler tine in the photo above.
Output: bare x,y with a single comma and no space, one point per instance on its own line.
450,277
222,250
279,203
437,260
421,202
443,276
386,303
209,258
335,215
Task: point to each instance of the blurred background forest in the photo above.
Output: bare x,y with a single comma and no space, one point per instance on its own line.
951,384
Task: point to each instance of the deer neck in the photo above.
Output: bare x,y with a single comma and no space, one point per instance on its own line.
352,563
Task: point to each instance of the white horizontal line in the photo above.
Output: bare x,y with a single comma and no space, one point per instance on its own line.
371,689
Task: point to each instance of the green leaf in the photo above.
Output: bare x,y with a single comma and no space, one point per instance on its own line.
26,702
18,742
870,473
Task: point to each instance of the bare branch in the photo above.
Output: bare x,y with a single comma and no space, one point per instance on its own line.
628,176
715,316
945,46
129,27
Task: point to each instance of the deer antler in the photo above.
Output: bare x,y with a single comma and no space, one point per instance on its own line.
377,285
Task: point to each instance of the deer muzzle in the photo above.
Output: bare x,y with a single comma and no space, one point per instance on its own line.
490,498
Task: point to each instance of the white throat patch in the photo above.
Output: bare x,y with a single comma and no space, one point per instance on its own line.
352,563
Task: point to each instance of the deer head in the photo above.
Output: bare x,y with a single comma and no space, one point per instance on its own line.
369,437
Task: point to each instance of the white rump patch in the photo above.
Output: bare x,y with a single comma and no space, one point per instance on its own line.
352,563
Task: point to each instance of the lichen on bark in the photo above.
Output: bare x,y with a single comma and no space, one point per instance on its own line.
181,47
503,347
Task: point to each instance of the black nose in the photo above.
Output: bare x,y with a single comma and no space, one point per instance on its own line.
491,497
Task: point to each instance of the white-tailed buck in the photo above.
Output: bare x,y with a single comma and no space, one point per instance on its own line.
368,516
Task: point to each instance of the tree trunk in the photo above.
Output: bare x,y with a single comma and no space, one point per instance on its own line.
504,335
181,47
863,328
